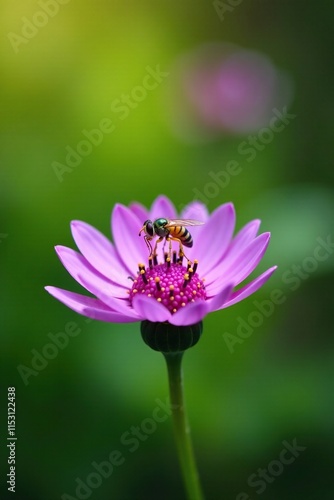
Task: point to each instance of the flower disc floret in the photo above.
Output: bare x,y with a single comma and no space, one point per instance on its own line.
173,285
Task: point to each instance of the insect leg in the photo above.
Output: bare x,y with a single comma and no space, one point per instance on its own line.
148,239
181,251
159,240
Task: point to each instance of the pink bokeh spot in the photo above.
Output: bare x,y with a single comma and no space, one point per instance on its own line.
221,88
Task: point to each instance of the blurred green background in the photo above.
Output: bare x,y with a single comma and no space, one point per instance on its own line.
277,384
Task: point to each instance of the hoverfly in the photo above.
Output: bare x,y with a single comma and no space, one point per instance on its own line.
171,230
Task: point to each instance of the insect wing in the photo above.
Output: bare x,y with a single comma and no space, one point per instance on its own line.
184,222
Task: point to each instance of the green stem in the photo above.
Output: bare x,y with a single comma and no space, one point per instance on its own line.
181,427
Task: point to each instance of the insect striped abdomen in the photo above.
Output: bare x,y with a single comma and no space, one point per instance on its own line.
182,234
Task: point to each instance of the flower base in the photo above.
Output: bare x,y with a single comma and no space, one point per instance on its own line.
168,338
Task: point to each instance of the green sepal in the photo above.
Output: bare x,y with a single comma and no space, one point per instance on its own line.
167,338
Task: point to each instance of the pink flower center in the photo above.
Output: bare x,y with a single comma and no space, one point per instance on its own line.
172,284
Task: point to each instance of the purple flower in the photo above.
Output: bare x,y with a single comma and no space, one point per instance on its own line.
181,293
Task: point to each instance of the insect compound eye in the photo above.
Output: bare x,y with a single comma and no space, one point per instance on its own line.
149,227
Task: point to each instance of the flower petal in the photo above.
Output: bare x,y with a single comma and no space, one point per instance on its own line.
190,314
220,298
249,289
248,259
130,247
87,306
99,252
214,237
140,211
79,267
244,236
104,292
195,210
150,309
237,267
162,207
